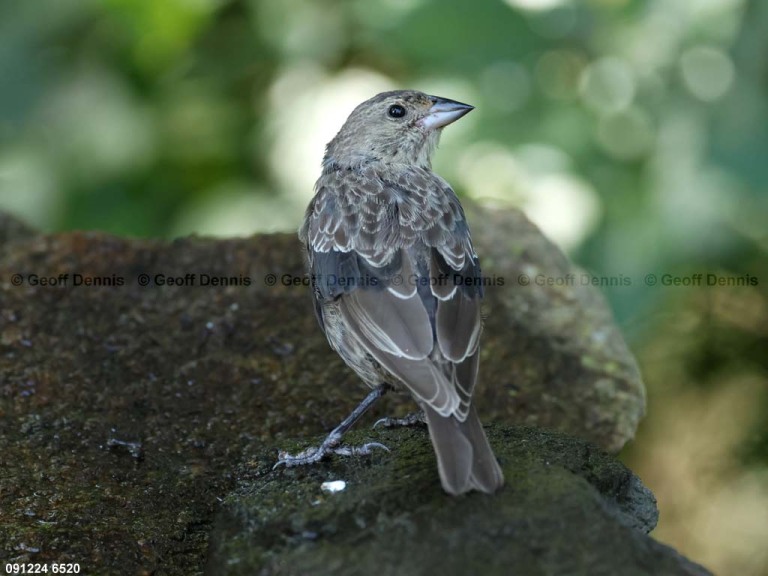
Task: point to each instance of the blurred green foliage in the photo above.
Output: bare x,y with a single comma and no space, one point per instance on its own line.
120,115
634,132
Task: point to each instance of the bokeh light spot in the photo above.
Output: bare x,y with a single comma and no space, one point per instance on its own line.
607,85
28,188
536,5
307,109
565,207
708,72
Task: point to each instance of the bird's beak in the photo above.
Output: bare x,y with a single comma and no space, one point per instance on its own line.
443,112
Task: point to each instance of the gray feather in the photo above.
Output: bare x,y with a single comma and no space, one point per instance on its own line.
458,326
397,326
465,460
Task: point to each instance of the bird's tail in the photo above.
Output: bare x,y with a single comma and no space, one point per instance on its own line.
465,460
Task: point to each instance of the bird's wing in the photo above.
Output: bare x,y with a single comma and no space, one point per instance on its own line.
396,255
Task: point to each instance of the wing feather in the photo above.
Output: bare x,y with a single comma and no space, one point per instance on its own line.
397,326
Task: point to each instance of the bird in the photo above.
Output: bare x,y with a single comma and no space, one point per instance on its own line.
396,282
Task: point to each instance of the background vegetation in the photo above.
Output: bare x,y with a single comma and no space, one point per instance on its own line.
635,133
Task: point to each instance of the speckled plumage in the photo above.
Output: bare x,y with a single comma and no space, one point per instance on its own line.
396,279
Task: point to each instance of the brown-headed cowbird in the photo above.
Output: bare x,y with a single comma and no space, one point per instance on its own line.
396,281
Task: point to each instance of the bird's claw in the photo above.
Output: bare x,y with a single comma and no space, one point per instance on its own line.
309,456
413,419
364,450
314,454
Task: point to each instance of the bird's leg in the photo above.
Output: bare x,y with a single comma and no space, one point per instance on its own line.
412,419
331,443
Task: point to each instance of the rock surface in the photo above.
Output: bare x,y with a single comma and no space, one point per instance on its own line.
567,508
130,411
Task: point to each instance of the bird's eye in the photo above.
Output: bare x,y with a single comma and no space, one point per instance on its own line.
396,111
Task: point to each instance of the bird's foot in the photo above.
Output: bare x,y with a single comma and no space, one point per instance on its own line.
413,419
329,446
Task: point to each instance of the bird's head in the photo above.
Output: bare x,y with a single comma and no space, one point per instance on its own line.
400,127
